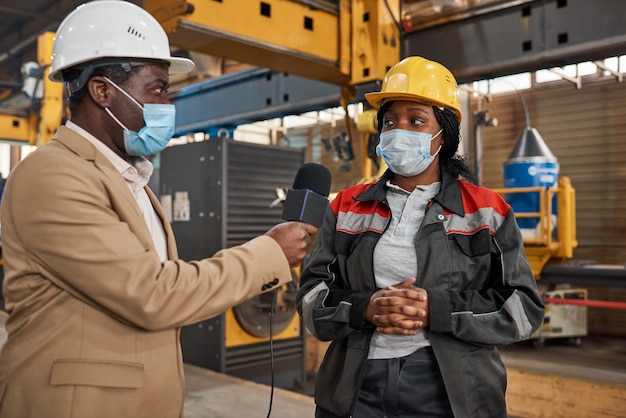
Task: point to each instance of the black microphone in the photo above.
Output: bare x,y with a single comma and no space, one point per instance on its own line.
307,201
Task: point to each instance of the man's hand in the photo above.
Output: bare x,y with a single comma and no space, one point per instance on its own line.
399,309
294,238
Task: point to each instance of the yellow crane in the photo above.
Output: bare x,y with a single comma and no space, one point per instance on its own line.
36,128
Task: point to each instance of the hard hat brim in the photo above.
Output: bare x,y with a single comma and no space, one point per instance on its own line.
178,65
377,99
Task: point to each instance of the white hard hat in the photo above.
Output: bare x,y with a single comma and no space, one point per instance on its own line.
111,29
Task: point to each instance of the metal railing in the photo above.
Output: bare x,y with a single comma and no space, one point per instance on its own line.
555,234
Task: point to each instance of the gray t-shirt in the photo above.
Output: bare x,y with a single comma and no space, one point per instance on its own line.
395,261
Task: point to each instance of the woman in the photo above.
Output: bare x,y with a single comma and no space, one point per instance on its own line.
416,278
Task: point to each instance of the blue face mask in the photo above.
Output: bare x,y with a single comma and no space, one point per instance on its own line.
155,135
406,153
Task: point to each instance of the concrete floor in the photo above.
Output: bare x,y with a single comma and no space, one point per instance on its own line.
216,395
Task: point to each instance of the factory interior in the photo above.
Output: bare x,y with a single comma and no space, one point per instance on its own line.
280,83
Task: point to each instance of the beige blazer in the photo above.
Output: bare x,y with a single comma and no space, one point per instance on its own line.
94,316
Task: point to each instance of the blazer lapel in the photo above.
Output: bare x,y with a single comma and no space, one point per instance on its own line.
84,149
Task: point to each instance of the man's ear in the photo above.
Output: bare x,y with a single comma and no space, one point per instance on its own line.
99,90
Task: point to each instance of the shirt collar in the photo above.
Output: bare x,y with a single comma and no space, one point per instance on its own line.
430,189
137,173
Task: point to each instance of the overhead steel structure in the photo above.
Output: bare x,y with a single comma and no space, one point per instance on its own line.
321,53
313,54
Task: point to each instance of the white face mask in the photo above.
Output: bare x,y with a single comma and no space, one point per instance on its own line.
407,153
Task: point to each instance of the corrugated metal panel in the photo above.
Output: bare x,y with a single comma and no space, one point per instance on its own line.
607,321
254,174
585,130
230,187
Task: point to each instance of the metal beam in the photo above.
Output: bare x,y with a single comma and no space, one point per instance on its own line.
248,96
20,38
14,11
528,37
272,34
584,275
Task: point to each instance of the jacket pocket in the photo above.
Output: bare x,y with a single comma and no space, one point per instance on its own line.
474,260
101,373
480,243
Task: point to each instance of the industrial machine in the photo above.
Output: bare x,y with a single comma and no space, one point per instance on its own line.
562,320
219,194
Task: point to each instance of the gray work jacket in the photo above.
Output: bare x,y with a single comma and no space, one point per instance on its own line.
471,261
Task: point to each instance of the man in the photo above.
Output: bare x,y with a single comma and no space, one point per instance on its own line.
95,293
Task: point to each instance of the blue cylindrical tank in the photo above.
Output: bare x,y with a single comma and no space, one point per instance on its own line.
530,164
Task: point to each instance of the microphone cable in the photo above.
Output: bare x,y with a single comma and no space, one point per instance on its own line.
269,412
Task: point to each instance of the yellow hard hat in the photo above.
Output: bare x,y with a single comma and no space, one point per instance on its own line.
419,79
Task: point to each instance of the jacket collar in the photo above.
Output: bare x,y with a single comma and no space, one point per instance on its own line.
378,190
449,196
79,145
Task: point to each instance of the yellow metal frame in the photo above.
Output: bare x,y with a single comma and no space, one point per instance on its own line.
51,113
539,250
19,128
375,40
356,45
281,35
38,128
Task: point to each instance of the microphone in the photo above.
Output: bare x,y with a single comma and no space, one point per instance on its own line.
307,201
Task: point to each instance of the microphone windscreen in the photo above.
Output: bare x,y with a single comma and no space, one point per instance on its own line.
314,177
308,200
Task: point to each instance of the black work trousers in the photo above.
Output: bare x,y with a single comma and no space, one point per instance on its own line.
406,387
